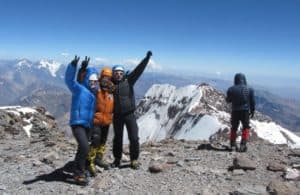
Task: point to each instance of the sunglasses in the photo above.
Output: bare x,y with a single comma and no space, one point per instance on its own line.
118,73
93,82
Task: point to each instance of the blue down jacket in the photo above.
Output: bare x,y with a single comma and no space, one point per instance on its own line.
83,100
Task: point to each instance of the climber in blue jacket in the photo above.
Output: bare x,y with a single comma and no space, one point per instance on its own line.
82,110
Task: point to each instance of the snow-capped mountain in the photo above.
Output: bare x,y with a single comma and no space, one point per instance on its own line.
24,63
20,79
51,65
198,112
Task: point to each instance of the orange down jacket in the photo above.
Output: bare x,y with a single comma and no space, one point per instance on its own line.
104,108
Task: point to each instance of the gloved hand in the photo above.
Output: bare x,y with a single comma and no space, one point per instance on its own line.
82,70
85,62
252,114
74,62
149,54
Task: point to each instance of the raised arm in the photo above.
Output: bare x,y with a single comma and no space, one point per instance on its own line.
70,74
139,69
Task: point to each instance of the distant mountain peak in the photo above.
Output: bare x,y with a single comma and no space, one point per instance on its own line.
24,62
198,112
51,65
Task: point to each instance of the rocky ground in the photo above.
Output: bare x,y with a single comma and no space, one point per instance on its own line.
38,165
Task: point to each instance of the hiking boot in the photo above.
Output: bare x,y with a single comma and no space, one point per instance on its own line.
135,164
233,144
101,163
243,146
81,179
116,163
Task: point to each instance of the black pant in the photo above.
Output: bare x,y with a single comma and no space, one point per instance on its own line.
81,135
132,129
99,135
237,116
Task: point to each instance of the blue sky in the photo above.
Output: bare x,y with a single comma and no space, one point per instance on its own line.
257,37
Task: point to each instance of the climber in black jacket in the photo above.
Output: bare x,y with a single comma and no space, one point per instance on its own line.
242,98
124,107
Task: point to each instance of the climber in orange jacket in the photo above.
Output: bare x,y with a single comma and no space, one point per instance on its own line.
102,120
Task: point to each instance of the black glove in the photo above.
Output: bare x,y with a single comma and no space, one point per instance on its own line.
252,114
85,62
149,54
74,62
82,70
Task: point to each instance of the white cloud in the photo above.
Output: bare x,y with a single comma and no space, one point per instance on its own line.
65,54
218,73
151,66
99,60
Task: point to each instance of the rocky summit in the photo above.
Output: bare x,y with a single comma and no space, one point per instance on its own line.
36,158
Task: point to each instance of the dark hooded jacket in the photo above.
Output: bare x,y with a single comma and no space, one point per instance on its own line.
124,100
240,95
83,100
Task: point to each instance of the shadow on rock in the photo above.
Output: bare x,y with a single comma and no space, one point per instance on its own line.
215,147
63,174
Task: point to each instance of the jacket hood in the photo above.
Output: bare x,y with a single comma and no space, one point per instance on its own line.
240,78
88,73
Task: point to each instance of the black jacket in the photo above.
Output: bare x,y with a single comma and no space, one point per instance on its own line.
240,95
124,100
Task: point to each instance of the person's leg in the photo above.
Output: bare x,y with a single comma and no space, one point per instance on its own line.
245,131
104,134
101,148
95,143
118,124
96,136
134,146
234,127
80,134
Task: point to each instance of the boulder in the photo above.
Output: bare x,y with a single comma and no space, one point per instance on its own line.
277,187
274,166
292,174
244,163
156,167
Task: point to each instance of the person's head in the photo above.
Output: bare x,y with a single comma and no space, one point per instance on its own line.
240,78
106,73
118,72
105,80
90,80
93,82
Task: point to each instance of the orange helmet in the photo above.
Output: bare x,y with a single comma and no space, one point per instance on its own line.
106,72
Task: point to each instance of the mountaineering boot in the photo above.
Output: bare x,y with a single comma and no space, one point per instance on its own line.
99,161
233,145
243,146
80,178
91,161
135,164
116,163
245,137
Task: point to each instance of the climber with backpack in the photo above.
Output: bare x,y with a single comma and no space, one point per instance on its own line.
241,96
